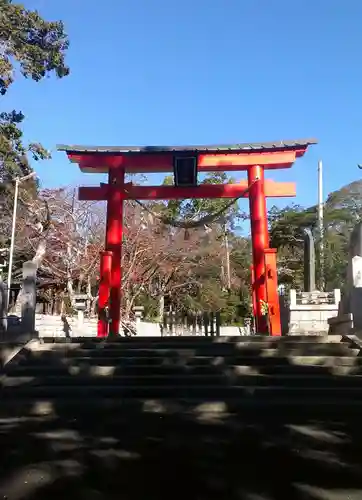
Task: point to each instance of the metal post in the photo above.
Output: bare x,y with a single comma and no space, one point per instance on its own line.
13,226
309,261
321,225
227,252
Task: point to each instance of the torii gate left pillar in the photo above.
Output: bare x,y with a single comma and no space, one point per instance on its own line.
110,297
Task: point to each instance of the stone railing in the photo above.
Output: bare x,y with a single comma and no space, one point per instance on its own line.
317,298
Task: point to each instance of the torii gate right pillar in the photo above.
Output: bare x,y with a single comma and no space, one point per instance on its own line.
260,242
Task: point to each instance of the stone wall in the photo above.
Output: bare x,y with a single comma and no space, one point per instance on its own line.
54,326
309,311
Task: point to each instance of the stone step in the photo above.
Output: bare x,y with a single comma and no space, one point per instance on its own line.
162,418
92,407
197,349
129,369
184,340
207,392
185,379
207,350
217,361
153,424
297,431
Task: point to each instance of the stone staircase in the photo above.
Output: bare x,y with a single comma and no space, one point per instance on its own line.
198,418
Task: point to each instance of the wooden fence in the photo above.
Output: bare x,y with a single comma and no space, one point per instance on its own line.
179,324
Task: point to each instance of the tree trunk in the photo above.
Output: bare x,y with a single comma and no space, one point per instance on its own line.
70,290
40,252
94,306
161,307
90,301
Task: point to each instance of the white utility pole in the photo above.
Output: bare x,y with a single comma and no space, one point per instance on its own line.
18,180
321,225
227,255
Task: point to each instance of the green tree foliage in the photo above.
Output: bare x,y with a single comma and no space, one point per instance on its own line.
342,210
204,266
13,152
36,48
199,208
37,45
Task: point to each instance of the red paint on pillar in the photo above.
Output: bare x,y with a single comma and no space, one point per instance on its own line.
260,240
253,289
270,256
103,294
114,244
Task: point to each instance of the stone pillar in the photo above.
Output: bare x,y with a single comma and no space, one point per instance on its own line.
28,299
353,300
309,261
80,305
138,313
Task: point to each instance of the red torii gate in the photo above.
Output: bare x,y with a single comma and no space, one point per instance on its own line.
253,158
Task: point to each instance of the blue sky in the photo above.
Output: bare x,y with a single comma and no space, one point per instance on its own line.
204,71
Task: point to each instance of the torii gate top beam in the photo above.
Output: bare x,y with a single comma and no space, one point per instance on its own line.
153,159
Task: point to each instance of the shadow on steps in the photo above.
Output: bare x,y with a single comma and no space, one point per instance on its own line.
245,447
